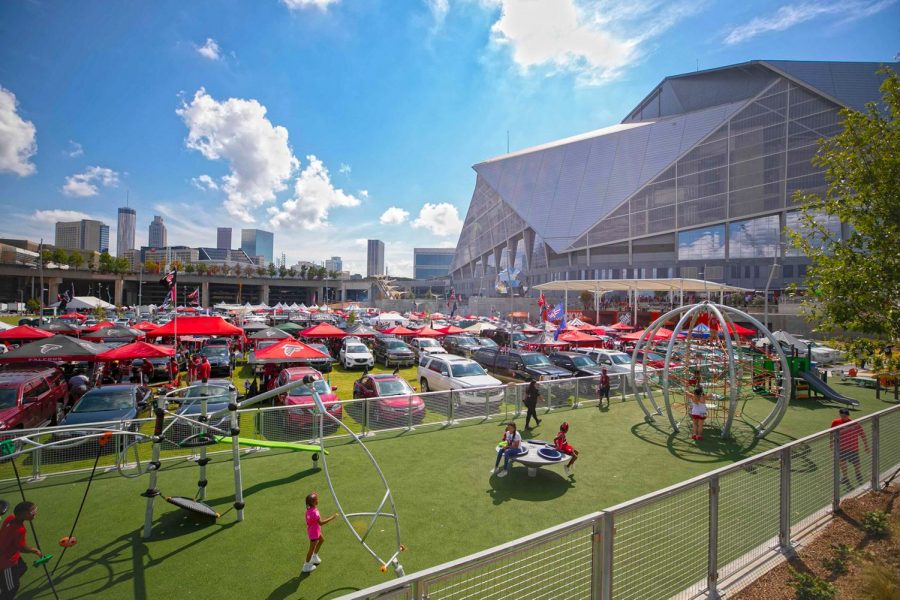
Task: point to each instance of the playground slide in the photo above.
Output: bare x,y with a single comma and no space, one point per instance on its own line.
823,388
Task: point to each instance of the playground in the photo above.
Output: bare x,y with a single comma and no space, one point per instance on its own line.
447,504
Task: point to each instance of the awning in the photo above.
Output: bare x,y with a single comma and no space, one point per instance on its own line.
286,351
196,326
24,332
114,333
676,284
324,330
401,331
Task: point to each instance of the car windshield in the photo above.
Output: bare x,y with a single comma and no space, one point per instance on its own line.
466,341
428,343
357,349
536,360
98,400
487,342
394,387
215,351
654,356
395,345
214,393
321,348
468,369
320,385
620,359
583,361
9,397
518,336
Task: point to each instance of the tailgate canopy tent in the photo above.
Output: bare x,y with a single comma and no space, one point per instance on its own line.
58,348
86,303
24,332
286,351
137,350
323,330
269,333
201,326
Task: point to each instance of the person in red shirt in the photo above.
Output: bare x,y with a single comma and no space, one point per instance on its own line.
204,370
848,444
562,444
603,389
172,368
146,371
12,545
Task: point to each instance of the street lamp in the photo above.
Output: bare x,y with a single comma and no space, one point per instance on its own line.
775,265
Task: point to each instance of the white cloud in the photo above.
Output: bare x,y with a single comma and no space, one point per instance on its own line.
440,219
364,194
394,216
595,43
790,15
50,217
301,4
344,169
204,183
75,150
17,143
439,10
314,196
210,50
258,154
85,184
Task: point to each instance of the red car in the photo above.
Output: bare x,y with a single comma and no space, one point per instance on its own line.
31,395
301,400
394,398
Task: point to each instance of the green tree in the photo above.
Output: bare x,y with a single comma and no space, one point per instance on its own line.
292,272
189,268
151,266
855,280
46,256
76,260
282,271
202,268
321,272
60,256
271,270
260,271
587,300
106,262
33,305
121,265
303,271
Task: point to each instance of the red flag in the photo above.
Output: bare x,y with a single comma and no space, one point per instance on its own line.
542,302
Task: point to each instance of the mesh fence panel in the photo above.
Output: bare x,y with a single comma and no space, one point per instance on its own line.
660,548
855,456
811,479
748,514
557,568
889,443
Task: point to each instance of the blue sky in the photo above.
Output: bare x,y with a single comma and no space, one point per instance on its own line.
333,121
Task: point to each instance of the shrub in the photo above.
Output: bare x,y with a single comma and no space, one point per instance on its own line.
880,582
838,563
809,587
876,523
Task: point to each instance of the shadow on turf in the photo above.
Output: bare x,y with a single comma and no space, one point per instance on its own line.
547,485
290,589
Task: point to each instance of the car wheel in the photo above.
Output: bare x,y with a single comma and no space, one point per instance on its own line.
424,385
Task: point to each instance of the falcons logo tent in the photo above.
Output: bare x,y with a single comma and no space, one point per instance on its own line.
286,351
56,348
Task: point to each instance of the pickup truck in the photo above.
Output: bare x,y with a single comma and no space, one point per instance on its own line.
518,365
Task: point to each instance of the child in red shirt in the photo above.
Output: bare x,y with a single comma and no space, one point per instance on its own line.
12,544
563,446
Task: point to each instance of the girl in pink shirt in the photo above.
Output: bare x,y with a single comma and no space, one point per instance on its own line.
314,524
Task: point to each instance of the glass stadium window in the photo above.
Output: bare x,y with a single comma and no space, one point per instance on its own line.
703,243
832,225
788,271
754,237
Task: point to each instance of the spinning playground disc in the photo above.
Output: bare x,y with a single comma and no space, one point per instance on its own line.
550,454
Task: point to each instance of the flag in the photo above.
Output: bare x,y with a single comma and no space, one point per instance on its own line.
559,330
64,300
556,312
170,279
542,302
193,298
453,312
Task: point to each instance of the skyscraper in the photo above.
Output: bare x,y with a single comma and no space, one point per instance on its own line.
82,235
223,238
159,238
125,234
334,264
375,258
432,262
256,242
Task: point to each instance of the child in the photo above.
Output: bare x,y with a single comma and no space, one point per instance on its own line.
509,448
314,528
563,446
12,544
698,413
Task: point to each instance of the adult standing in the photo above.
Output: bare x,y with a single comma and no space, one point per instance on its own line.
848,444
603,389
531,399
204,370
146,371
12,545
172,369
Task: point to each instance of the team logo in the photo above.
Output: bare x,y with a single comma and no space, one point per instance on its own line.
291,350
48,348
270,333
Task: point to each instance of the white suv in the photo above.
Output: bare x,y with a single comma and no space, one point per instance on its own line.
616,362
356,354
440,372
423,346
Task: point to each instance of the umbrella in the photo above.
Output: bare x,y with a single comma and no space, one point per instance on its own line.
401,331
286,351
24,332
326,330
61,327
137,350
619,326
453,329
114,333
269,333
57,348
429,332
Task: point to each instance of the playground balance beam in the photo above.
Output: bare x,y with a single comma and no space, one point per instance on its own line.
270,444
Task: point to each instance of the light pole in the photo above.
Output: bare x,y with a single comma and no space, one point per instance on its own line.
769,283
140,287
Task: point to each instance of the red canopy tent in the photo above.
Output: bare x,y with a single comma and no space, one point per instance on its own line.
401,331
101,325
529,330
452,330
137,350
145,326
429,332
201,326
575,336
740,330
24,332
661,334
73,315
323,330
286,351
619,326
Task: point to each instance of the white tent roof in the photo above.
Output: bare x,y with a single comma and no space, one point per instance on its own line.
5,326
674,284
86,302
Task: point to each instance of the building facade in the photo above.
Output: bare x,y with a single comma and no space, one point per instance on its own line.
429,263
256,242
82,235
374,258
125,231
698,181
223,238
159,237
334,264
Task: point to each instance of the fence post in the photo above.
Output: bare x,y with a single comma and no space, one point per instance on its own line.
623,381
784,507
596,558
409,421
36,465
450,405
712,573
836,471
876,453
607,531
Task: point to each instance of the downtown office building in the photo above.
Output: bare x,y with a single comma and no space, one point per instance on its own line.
698,181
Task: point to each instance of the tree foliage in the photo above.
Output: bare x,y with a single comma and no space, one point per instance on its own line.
855,280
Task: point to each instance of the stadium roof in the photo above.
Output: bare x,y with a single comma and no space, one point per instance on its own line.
675,284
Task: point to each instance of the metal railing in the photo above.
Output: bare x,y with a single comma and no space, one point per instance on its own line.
681,541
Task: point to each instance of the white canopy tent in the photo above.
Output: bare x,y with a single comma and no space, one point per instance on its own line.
85,303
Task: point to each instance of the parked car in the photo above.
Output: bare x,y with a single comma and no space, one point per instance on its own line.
219,393
322,365
615,362
579,364
300,400
394,399
518,365
218,342
219,359
356,355
31,395
120,403
440,372
461,345
485,342
509,339
655,360
160,367
390,350
422,346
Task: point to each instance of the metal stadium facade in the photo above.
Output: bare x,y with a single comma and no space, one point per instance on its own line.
697,181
